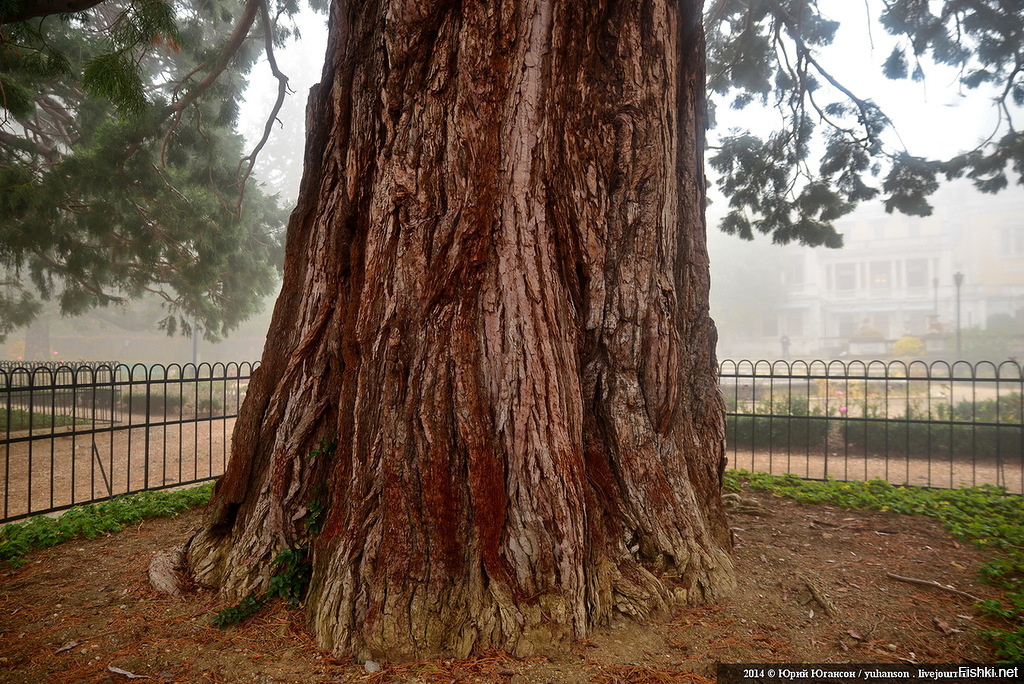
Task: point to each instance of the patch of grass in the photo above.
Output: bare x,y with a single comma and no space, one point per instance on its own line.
22,420
986,516
92,520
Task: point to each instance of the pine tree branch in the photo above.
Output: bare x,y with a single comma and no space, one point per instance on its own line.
175,109
19,143
1007,90
714,14
238,37
31,9
804,52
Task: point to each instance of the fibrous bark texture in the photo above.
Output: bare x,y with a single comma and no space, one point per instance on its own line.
495,309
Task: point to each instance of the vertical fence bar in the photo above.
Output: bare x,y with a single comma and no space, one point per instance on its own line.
74,429
145,437
181,422
163,427
209,425
771,417
119,372
224,409
1019,449
131,415
6,377
31,412
92,407
54,375
195,423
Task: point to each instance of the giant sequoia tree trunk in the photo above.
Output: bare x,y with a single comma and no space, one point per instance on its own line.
495,307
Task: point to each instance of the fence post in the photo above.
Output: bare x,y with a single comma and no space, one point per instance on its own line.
145,463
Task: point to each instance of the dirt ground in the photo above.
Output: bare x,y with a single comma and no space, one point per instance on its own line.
84,612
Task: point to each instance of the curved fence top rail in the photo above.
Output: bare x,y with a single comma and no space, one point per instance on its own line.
218,369
44,374
824,368
7,364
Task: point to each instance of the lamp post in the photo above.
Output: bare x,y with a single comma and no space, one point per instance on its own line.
958,279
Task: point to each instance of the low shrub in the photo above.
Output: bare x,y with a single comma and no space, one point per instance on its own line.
157,403
990,428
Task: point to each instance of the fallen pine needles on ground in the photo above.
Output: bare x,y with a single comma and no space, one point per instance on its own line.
986,516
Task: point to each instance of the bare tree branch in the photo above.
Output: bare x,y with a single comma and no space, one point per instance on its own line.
282,90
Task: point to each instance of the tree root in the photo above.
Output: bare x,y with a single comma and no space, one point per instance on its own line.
820,597
166,571
734,503
930,583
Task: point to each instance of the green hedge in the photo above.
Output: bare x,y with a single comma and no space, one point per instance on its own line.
951,432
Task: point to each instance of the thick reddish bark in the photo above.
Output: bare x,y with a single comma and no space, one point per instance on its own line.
496,305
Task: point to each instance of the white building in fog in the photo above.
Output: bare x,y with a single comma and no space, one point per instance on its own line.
894,277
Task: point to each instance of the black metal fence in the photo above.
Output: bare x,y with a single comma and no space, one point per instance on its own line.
74,433
935,424
85,432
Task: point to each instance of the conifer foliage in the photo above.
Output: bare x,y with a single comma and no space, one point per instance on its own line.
121,171
769,53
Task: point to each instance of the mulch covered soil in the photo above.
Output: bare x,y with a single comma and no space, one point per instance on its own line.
814,587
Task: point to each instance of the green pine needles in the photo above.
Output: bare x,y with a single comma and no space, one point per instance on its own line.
834,148
118,181
122,172
116,77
